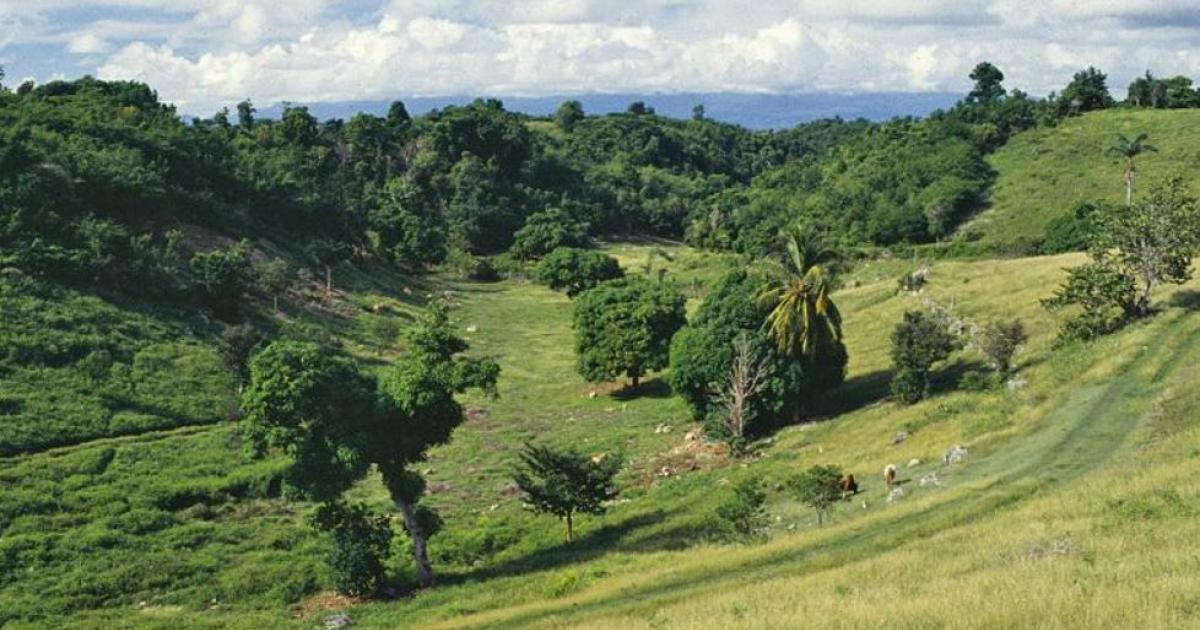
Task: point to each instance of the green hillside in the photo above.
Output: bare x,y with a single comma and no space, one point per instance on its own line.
1042,173
1079,477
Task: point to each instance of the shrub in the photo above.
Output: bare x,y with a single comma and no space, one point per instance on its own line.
743,516
919,341
818,487
576,270
977,381
222,275
998,341
1072,232
361,543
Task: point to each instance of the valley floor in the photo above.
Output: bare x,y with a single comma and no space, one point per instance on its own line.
1077,506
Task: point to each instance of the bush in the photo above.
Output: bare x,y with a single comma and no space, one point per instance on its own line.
361,544
222,275
576,270
998,341
978,381
743,516
818,487
471,267
1073,232
919,341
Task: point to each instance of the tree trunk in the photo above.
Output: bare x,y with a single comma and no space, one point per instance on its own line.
636,381
570,528
328,281
1129,185
424,569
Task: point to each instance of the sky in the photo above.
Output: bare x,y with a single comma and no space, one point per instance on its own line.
205,54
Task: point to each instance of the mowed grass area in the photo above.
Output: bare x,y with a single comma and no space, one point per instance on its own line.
1077,454
1043,173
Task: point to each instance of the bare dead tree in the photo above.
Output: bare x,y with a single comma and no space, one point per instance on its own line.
747,376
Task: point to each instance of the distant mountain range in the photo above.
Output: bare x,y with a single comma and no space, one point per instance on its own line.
755,111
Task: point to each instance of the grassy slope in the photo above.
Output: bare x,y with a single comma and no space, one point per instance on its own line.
1044,172
1024,488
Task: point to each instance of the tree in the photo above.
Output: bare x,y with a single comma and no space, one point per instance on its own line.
747,377
819,488
576,270
804,321
223,275
988,80
313,405
639,108
1130,149
327,253
235,345
546,230
998,341
918,341
1087,91
563,483
568,114
623,328
698,112
274,278
245,114
397,117
703,354
1106,298
1153,241
418,411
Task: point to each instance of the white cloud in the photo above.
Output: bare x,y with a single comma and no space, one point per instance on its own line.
207,53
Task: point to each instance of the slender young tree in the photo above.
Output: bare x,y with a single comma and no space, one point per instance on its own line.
564,483
1129,150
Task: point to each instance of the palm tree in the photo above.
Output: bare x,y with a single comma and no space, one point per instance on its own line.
1130,149
804,321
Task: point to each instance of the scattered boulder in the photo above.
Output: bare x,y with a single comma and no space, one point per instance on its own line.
691,436
341,620
472,328
955,455
930,480
592,394
895,494
914,462
599,458
1014,384
899,437
662,428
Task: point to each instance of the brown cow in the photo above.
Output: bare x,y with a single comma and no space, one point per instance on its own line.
848,485
889,475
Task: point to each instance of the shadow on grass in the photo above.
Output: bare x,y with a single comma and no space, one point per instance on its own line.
946,380
1188,300
858,392
653,388
594,544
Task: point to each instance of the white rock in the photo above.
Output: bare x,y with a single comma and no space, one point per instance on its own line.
914,462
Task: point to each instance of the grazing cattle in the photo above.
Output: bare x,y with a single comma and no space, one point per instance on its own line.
848,485
889,475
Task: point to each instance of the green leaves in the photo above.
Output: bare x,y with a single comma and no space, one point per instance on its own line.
818,487
624,328
565,482
919,341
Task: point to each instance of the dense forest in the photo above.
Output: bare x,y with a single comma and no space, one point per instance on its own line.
99,177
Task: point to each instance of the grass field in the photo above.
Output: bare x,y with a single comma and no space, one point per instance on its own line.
1076,507
1042,174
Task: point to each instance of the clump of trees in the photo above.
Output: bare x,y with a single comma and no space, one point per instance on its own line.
574,270
337,423
624,327
564,483
1134,251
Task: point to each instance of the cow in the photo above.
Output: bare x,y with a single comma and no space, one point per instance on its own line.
889,475
848,485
